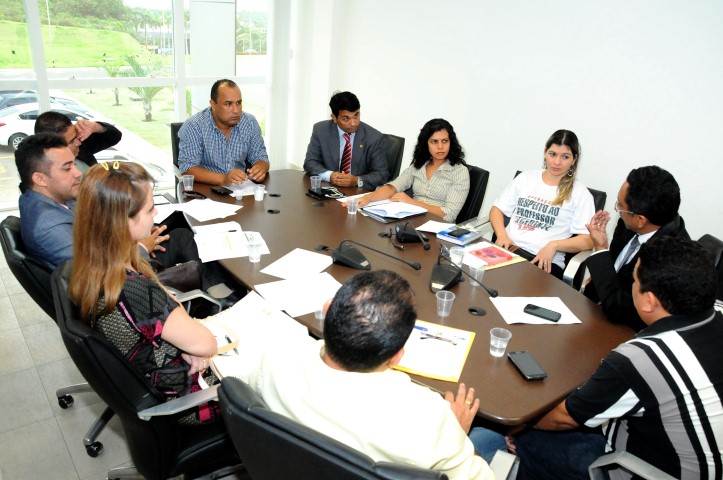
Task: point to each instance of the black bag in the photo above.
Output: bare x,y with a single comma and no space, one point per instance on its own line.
184,277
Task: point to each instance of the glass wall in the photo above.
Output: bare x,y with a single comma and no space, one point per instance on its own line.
117,61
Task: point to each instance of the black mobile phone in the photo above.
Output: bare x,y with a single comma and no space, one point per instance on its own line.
541,312
527,365
222,190
458,232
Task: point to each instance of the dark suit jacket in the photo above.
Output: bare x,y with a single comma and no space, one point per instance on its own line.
367,154
98,142
613,289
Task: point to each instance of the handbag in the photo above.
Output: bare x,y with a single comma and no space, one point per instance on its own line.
184,277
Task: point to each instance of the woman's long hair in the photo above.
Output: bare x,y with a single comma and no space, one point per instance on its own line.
109,195
421,151
568,139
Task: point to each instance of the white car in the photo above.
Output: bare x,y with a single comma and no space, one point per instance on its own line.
18,122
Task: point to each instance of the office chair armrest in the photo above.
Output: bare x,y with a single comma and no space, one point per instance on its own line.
575,270
181,404
184,297
628,461
504,465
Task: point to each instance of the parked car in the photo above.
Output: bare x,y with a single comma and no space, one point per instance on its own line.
18,122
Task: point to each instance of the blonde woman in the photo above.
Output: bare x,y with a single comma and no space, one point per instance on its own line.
118,293
546,208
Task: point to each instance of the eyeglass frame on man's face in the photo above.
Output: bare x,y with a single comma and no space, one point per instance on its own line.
617,209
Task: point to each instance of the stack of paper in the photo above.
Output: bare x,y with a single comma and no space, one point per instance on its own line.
225,240
392,210
486,253
436,351
255,325
207,209
300,295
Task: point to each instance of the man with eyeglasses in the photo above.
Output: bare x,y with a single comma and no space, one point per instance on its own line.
648,204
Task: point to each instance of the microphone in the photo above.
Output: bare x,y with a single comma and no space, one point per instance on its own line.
406,234
452,274
350,256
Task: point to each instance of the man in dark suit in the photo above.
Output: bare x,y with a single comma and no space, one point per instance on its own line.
648,204
345,151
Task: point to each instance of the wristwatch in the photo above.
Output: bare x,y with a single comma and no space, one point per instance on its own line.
360,183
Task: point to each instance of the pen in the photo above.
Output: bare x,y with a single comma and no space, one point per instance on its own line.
228,339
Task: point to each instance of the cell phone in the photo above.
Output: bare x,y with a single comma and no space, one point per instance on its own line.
222,190
541,312
458,232
527,365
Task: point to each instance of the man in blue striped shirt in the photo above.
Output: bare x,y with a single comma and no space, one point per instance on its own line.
222,144
657,396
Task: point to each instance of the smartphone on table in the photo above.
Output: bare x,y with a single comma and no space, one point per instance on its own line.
542,312
527,365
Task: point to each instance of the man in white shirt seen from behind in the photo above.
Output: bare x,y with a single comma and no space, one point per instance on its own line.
345,387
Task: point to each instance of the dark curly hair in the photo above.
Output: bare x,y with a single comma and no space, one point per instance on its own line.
421,150
654,193
680,272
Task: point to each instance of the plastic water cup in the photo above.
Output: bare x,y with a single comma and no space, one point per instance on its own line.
456,255
351,205
499,338
254,252
445,299
319,314
188,183
259,193
315,183
477,273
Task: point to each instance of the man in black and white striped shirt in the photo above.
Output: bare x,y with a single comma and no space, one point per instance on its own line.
657,396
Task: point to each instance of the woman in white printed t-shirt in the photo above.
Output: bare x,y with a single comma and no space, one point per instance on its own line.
546,208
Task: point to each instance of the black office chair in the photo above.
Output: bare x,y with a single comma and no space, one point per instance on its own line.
716,249
160,448
394,151
274,446
175,127
34,276
478,178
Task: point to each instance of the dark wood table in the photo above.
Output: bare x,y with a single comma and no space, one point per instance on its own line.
569,353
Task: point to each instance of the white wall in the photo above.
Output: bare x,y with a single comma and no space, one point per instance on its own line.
640,83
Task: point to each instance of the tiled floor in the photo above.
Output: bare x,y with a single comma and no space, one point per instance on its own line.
38,439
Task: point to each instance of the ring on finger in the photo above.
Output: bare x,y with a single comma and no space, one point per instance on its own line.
468,403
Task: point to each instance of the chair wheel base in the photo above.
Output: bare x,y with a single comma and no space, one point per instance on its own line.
94,449
66,401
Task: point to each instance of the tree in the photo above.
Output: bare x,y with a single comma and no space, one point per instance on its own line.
113,70
154,67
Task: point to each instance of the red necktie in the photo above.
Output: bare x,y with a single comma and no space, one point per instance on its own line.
346,157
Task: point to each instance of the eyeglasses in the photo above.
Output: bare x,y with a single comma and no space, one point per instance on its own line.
617,208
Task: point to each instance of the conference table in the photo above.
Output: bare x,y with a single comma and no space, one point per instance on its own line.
287,219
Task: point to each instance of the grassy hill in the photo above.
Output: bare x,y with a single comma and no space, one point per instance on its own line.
70,46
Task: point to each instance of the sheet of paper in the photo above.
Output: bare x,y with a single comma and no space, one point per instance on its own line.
298,263
434,227
511,309
395,209
207,209
246,187
163,211
218,227
160,200
300,296
217,245
436,351
256,325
